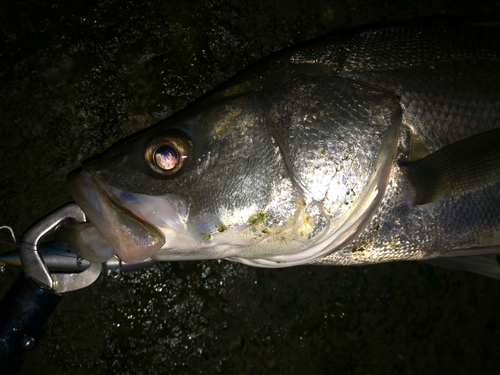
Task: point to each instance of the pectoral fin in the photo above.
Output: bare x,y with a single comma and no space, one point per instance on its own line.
457,169
486,264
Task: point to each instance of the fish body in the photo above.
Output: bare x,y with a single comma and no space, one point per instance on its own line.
317,155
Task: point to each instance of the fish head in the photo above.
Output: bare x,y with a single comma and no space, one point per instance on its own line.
255,174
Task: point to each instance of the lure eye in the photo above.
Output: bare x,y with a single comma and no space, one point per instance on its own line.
166,155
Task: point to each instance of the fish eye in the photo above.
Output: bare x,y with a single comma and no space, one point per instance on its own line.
166,155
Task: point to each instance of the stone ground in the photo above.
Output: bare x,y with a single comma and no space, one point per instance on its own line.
76,76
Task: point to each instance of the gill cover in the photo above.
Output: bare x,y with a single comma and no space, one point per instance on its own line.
335,135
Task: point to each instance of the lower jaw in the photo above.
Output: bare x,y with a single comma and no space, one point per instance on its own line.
85,240
114,229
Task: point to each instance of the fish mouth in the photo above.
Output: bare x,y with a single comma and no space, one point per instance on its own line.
132,226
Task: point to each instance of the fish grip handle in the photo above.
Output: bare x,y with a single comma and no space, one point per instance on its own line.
35,268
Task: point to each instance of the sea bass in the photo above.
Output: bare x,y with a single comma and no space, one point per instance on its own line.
369,146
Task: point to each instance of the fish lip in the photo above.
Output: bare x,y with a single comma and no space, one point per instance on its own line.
81,187
88,193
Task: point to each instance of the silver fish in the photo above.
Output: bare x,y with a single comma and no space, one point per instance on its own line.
366,147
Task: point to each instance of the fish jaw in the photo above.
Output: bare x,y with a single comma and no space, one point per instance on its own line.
131,236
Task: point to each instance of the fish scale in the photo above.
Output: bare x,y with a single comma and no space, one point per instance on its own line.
440,110
333,153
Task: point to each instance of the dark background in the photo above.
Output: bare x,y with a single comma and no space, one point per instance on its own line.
76,76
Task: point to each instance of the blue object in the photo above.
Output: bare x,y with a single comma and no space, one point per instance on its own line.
23,313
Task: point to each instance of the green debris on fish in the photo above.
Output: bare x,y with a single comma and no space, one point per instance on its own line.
369,146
